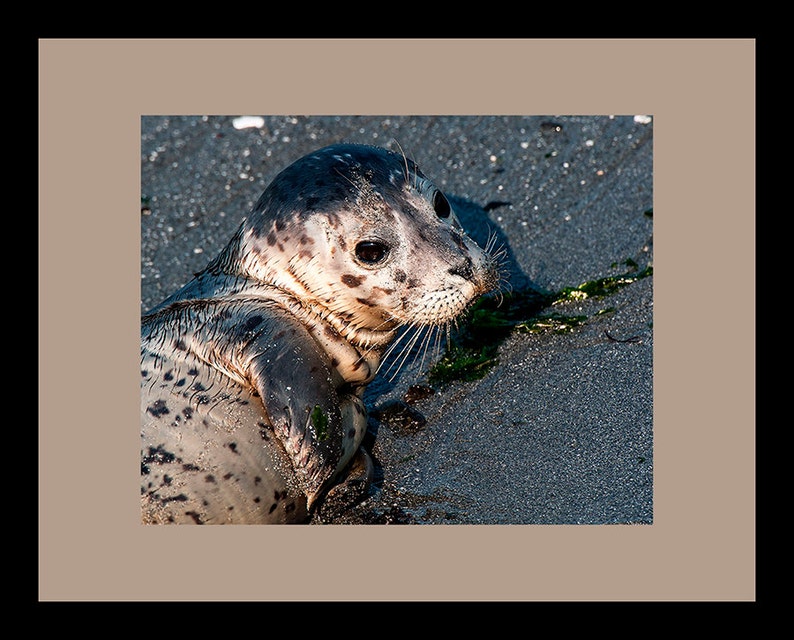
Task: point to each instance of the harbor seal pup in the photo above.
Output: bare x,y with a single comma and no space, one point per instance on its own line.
252,374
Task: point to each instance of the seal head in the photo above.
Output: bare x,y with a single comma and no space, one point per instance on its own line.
361,236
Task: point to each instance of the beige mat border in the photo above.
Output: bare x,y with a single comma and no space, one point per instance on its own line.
702,96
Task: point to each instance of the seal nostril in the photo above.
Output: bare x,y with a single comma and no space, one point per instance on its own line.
441,205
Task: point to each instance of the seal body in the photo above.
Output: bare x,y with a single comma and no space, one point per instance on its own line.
252,374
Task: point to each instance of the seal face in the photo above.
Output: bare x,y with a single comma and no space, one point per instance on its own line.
252,373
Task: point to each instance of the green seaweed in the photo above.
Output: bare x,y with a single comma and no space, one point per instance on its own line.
602,286
553,323
463,363
473,349
320,422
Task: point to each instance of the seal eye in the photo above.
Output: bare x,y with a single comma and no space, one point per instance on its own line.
441,204
371,252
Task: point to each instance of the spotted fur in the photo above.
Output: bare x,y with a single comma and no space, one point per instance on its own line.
252,374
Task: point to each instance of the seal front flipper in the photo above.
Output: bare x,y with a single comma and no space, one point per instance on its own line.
318,420
242,417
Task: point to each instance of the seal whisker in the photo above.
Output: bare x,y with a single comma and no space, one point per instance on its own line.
390,349
406,351
434,337
420,346
407,331
439,341
428,330
498,256
405,160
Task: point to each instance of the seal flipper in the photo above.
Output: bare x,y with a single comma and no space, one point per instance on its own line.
319,426
246,347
